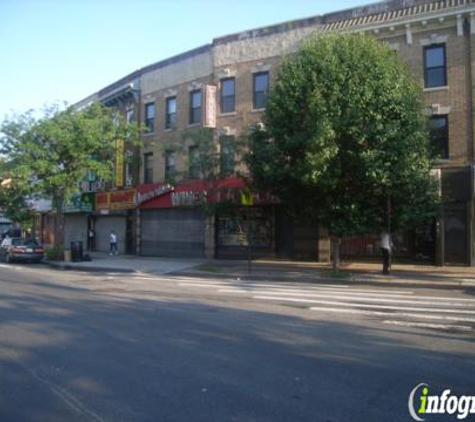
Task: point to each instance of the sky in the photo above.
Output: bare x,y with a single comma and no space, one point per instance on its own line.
64,50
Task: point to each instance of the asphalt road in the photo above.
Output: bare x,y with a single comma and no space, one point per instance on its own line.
107,347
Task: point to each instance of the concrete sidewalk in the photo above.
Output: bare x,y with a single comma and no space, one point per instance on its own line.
103,262
272,270
353,273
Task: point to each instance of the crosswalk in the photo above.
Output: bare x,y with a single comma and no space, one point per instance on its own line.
396,307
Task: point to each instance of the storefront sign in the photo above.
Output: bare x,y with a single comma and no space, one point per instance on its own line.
116,200
199,192
210,106
145,194
119,163
122,199
102,201
82,202
188,198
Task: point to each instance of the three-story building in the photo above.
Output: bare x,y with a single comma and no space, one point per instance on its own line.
223,87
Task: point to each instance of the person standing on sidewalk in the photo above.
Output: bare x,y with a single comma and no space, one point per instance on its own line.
90,238
113,243
386,246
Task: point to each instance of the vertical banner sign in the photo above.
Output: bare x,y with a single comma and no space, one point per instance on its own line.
119,163
210,106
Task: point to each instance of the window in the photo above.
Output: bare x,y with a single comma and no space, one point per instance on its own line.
148,168
194,158
149,116
435,72
195,107
227,155
439,136
170,165
170,122
129,115
227,95
260,89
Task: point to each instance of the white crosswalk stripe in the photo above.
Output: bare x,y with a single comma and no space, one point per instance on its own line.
399,308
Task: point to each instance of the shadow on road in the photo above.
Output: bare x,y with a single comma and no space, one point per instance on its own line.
68,354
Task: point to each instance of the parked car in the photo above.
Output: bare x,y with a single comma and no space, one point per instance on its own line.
18,249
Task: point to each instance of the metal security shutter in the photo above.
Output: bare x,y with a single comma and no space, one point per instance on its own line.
103,227
75,229
172,233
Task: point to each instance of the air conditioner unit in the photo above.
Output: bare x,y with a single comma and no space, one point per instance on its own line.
435,108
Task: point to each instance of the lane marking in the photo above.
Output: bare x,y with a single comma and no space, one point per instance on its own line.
356,299
317,287
427,325
392,314
361,305
146,278
376,293
389,293
201,285
339,286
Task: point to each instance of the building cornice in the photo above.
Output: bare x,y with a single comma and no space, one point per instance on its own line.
436,10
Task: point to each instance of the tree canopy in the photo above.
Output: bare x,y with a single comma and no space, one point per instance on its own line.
346,141
52,154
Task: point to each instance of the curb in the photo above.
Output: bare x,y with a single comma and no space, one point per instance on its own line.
90,269
358,278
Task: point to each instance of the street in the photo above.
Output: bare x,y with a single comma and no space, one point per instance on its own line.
141,347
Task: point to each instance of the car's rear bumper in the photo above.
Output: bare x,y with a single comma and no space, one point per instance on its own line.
26,257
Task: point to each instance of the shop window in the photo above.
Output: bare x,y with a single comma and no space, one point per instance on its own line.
256,223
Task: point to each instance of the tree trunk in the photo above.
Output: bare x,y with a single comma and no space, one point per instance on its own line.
58,222
335,246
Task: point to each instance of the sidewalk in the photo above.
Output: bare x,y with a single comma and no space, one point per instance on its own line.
103,262
272,270
351,273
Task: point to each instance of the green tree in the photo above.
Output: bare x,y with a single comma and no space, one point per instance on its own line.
210,160
13,195
346,143
53,153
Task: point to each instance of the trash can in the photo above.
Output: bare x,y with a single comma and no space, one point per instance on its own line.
76,251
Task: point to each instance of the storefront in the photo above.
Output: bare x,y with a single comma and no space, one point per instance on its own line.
77,213
115,211
171,223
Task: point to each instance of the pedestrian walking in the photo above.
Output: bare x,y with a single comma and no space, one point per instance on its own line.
90,240
386,247
113,243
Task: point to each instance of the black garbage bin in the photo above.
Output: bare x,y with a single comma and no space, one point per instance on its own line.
76,251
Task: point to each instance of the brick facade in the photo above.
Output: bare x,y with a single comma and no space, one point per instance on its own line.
407,26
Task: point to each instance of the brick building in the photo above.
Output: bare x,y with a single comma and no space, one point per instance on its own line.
223,86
